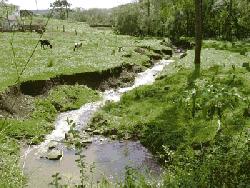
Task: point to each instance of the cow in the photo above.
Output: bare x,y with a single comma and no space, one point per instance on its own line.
77,45
39,31
45,43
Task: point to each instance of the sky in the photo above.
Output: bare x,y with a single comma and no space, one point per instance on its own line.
44,4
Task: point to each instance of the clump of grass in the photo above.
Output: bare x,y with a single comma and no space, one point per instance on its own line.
243,51
50,63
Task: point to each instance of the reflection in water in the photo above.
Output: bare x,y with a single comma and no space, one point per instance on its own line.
110,159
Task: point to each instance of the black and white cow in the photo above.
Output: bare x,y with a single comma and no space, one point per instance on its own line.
77,45
45,43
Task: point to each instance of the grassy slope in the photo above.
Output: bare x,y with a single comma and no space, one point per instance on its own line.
95,55
187,138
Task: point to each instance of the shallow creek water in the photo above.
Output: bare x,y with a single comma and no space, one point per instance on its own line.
110,158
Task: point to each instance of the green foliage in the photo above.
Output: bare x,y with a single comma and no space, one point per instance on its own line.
224,163
44,110
61,7
60,99
6,8
33,130
127,20
56,181
222,19
93,16
50,63
242,47
198,130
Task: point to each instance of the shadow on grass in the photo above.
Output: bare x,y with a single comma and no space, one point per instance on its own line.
167,129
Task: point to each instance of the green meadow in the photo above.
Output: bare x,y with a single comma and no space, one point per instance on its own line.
99,52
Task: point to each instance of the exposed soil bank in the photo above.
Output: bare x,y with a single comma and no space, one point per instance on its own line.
95,80
18,99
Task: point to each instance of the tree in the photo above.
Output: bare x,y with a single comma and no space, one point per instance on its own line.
3,1
127,20
198,33
6,9
26,13
61,6
67,6
148,14
229,35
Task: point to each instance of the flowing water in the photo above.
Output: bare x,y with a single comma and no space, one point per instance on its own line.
110,157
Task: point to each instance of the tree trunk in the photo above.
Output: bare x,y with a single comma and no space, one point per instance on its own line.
148,11
198,33
67,11
229,24
187,28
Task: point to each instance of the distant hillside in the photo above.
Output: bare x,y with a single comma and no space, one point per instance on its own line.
41,12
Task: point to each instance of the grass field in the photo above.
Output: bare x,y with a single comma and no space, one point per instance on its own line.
95,55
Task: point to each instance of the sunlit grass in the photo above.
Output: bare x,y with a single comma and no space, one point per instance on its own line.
96,53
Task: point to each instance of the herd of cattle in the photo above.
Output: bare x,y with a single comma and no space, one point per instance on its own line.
48,44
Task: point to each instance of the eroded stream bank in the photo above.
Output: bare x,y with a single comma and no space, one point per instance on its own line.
101,151
17,100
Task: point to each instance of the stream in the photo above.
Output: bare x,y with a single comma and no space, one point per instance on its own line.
108,158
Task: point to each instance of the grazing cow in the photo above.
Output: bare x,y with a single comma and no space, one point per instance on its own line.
45,43
39,31
77,45
120,49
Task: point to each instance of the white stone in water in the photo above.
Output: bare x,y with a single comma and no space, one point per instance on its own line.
52,145
86,140
54,155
